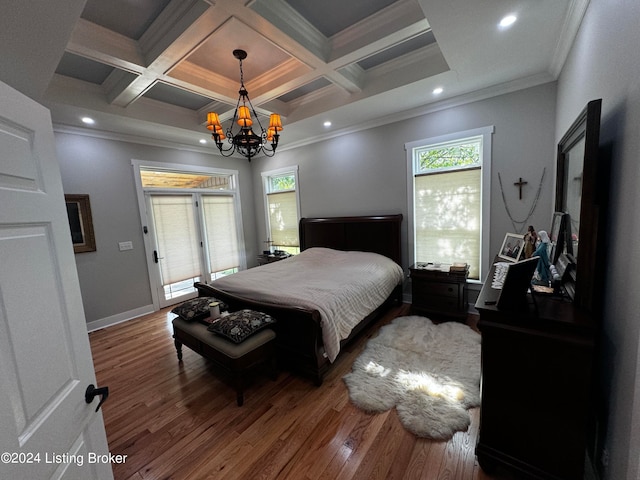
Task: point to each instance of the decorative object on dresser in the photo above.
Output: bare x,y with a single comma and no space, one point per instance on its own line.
512,247
560,236
430,373
439,290
518,225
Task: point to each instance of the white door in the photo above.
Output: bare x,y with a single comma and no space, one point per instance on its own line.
47,430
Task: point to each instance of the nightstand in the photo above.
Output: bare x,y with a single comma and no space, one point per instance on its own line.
438,293
265,258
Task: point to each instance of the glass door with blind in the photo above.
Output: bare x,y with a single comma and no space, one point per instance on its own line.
193,230
177,242
195,239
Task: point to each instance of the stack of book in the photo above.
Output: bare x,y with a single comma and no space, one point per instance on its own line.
458,268
444,267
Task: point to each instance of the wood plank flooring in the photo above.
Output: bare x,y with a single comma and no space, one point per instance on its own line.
177,420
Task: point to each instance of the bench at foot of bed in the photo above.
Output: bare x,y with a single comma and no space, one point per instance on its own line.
235,361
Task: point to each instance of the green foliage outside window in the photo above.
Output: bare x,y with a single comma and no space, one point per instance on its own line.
283,182
449,156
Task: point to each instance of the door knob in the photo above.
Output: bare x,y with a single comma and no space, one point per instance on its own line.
92,392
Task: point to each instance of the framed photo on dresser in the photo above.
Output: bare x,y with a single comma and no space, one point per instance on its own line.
512,247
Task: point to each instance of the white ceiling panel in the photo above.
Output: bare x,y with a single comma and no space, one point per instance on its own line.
150,69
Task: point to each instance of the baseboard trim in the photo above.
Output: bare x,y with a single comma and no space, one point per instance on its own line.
119,318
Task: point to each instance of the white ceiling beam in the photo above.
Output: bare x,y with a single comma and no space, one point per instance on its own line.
176,19
105,46
294,25
398,22
113,49
379,44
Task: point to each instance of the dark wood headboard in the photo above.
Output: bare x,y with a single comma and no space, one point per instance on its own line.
379,234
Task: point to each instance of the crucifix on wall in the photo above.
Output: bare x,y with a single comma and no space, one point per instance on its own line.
520,183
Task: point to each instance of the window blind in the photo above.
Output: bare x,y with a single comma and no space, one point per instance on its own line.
447,218
176,236
283,219
221,232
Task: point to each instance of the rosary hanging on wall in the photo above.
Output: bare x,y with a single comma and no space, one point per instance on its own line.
519,225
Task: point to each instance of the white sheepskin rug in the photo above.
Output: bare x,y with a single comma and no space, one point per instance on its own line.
430,373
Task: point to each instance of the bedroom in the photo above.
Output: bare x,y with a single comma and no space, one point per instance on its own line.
528,122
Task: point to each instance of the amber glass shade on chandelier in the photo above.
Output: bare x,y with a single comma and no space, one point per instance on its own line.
245,142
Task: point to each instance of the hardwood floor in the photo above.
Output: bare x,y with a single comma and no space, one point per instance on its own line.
178,420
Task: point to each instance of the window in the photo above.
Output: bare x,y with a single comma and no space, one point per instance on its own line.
158,178
448,196
282,211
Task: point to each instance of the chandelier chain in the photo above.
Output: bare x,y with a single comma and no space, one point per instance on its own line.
522,223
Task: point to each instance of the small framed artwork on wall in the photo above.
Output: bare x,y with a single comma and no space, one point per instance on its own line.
512,247
80,223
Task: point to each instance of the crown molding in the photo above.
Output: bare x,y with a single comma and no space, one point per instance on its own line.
122,137
568,33
456,101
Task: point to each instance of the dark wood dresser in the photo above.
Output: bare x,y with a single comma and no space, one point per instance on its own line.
439,293
536,387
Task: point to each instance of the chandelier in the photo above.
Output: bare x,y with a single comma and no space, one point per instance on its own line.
245,141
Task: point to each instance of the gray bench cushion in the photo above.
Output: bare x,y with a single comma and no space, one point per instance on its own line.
228,348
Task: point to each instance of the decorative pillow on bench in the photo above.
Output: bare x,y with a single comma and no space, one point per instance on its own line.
240,325
196,308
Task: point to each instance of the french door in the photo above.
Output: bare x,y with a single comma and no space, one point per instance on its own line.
194,237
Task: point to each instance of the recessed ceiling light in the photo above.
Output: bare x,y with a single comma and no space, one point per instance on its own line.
202,141
508,21
327,123
438,90
88,120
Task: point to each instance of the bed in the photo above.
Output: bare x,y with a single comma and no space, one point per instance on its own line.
302,344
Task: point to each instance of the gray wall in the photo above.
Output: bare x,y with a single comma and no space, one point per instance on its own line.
116,283
356,174
605,63
366,172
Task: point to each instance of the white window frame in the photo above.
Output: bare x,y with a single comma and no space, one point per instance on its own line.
412,147
266,189
234,190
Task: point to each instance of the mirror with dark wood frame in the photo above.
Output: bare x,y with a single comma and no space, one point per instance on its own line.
581,191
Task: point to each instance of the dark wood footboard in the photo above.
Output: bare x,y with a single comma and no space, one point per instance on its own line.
299,346
298,332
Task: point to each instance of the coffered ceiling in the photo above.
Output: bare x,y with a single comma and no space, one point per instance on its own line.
149,70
